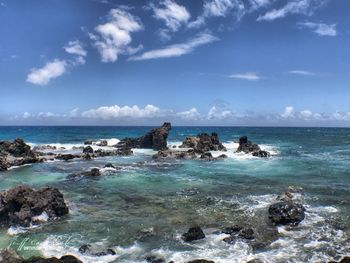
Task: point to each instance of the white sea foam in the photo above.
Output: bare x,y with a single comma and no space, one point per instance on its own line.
41,218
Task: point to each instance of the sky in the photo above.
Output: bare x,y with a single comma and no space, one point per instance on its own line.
198,62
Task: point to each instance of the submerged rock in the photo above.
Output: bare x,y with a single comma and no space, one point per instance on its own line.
9,256
194,233
237,232
203,142
16,153
155,139
247,146
286,212
88,249
20,205
93,172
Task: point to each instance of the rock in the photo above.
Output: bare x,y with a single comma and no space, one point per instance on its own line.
88,149
256,260
87,249
232,230
88,142
194,233
261,153
207,156
154,259
222,156
190,154
66,157
155,139
19,205
343,260
109,165
237,232
44,148
118,152
203,142
87,157
286,213
93,172
15,153
9,256
102,143
200,261
247,146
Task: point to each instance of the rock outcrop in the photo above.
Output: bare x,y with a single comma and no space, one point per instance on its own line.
247,146
155,139
21,206
203,142
194,233
9,256
15,153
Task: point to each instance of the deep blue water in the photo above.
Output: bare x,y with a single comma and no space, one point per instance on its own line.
166,197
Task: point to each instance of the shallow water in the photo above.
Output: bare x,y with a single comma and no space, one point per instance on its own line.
144,206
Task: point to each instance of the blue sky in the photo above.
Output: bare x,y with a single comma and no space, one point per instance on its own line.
210,62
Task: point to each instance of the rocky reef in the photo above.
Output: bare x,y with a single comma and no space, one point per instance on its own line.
248,147
203,143
15,153
155,139
23,206
9,256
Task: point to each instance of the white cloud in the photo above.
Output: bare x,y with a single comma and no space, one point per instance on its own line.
216,114
74,113
173,14
26,115
306,114
288,112
112,112
219,8
304,7
114,37
191,114
302,72
44,75
177,50
75,48
245,76
321,29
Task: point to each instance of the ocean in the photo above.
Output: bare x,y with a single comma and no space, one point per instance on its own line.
144,206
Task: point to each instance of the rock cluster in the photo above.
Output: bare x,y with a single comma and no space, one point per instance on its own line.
203,142
9,256
21,205
247,146
15,153
155,139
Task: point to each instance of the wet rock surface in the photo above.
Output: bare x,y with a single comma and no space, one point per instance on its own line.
20,205
194,233
9,256
247,146
155,139
16,153
203,142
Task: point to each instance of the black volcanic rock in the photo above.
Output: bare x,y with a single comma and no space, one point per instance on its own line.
247,146
88,149
155,139
194,233
286,212
19,205
203,142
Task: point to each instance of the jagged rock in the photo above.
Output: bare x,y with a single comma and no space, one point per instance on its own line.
93,172
207,156
247,146
194,233
155,139
102,143
15,153
203,142
88,149
286,213
88,142
19,205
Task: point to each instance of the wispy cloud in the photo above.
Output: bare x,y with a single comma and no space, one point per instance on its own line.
173,14
305,7
246,76
114,37
177,50
42,76
321,29
302,72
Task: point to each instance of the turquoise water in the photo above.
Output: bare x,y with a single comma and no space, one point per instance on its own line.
144,206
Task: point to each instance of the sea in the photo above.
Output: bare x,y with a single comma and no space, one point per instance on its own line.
143,206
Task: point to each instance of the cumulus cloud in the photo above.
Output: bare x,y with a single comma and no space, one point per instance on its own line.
173,14
114,37
288,112
245,76
191,114
305,7
75,48
306,114
321,29
215,113
177,50
219,8
42,76
112,112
